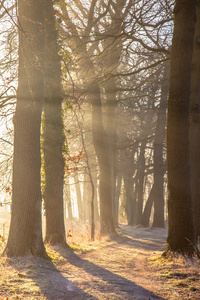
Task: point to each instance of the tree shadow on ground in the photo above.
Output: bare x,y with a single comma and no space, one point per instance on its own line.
78,278
110,282
142,238
38,277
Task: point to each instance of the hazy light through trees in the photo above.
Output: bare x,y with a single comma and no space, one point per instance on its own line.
105,66
137,32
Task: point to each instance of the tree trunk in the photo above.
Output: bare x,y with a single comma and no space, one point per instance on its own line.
53,139
79,196
181,230
67,197
140,183
195,126
130,203
25,234
159,220
107,161
117,195
110,89
148,207
96,206
86,197
105,180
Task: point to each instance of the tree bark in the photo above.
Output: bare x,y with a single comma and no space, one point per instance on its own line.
86,197
148,207
140,188
25,235
96,206
53,138
79,196
159,220
130,200
117,195
111,102
105,180
180,218
67,197
195,126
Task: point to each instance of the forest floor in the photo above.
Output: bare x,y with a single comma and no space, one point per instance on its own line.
129,267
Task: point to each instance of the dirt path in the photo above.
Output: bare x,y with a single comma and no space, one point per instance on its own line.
130,267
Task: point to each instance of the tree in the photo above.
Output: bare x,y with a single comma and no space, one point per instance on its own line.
8,81
25,235
88,67
139,96
181,231
159,170
105,178
53,137
195,126
140,182
111,44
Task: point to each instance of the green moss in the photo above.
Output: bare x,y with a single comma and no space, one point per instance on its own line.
55,256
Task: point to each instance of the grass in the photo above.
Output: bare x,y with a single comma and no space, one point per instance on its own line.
179,274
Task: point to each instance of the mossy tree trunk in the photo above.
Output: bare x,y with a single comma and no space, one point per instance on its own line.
53,136
25,235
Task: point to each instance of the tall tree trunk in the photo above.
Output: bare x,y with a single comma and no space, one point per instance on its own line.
195,126
140,188
105,180
130,203
96,207
53,138
86,197
180,218
117,195
128,168
67,198
79,196
25,234
111,62
159,220
110,89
